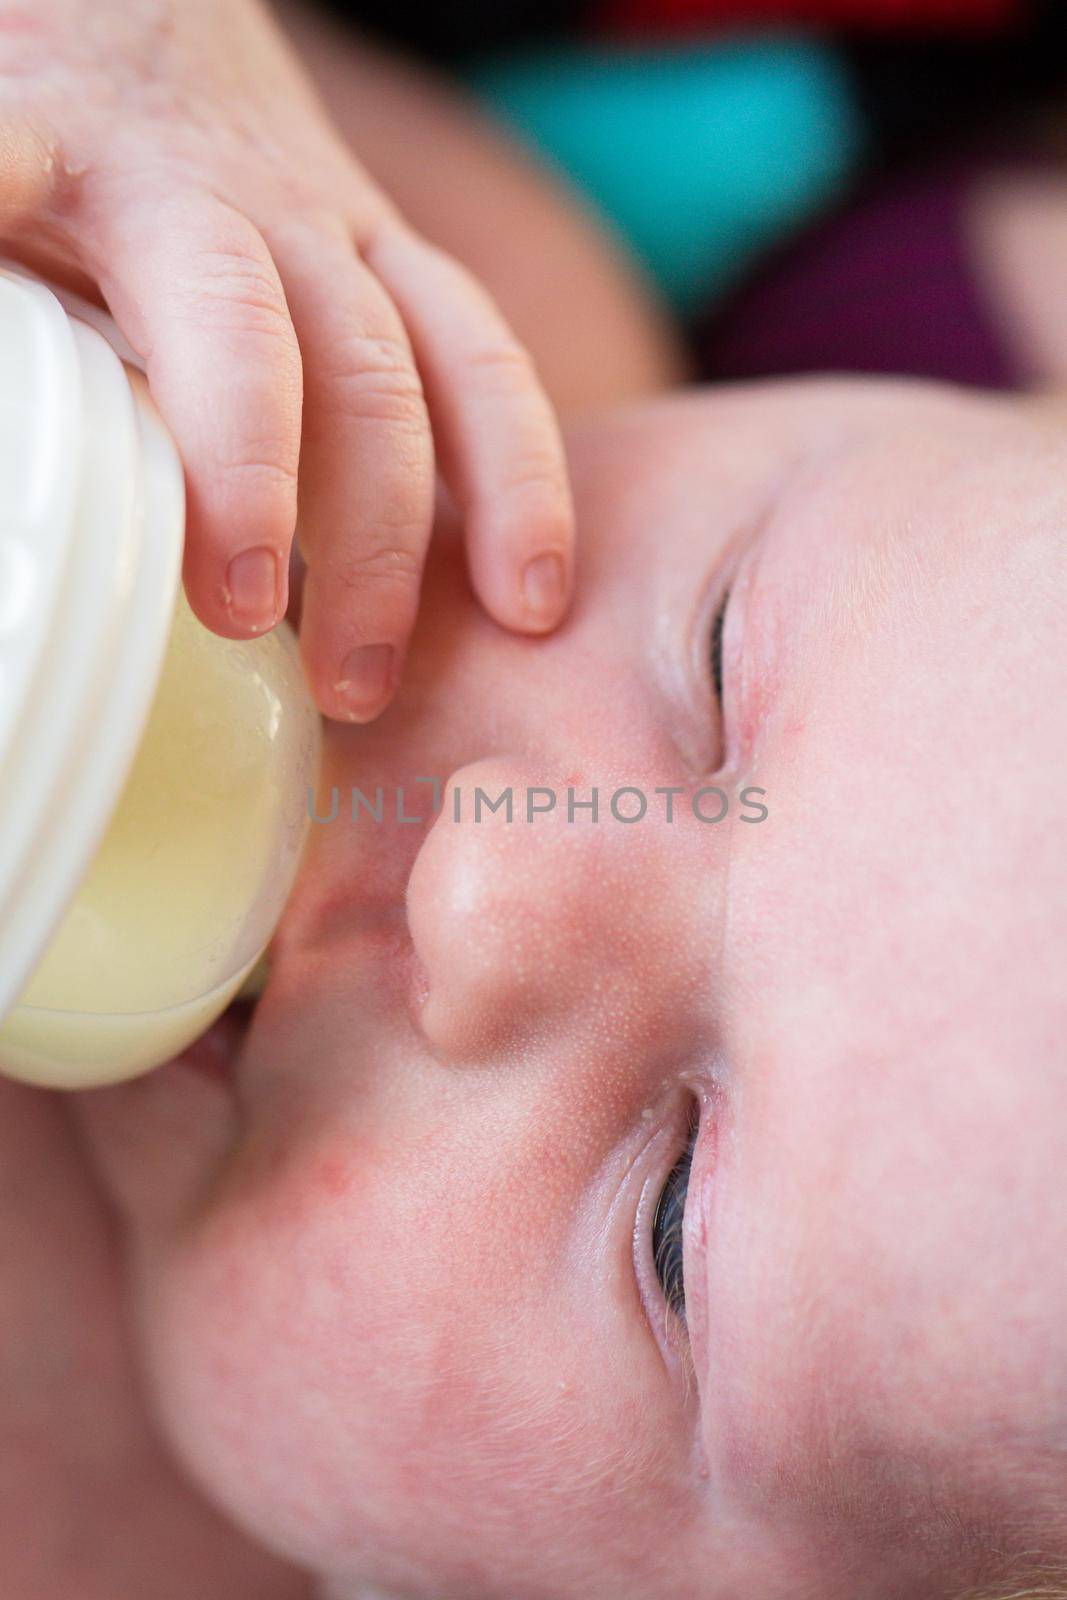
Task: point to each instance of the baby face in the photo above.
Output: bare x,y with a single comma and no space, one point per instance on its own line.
661,1208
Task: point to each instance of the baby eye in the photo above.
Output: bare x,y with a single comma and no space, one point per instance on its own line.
715,645
667,1226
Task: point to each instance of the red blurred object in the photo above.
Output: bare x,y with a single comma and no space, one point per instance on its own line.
874,16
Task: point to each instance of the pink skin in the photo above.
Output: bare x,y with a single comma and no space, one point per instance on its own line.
393,1282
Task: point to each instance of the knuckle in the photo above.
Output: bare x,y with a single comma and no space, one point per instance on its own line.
538,484
506,368
377,382
530,508
555,525
271,471
260,483
237,291
384,566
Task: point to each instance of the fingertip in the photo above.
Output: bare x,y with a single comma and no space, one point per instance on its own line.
361,687
522,568
367,683
240,525
242,596
252,591
353,662
545,590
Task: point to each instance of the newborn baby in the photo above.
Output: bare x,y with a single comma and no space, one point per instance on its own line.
671,1208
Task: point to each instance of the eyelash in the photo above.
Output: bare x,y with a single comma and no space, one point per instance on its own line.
668,1223
715,643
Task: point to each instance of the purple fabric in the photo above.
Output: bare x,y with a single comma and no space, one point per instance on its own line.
885,286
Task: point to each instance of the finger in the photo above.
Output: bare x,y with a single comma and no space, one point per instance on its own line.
367,474
193,287
497,439
28,171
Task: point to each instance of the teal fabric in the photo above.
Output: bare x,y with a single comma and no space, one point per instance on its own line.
700,157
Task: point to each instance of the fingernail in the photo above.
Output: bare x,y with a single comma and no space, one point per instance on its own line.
252,589
365,681
543,586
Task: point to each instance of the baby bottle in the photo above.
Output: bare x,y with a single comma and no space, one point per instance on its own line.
153,777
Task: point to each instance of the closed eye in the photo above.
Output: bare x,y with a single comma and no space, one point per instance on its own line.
715,646
668,1225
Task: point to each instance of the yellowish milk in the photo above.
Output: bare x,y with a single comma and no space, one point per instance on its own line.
191,875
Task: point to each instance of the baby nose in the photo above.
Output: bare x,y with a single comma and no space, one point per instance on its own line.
530,901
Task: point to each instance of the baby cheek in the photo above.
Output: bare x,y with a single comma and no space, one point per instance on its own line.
321,1363
347,1387
273,1349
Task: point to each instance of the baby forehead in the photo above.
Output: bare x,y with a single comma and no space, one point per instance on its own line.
860,1483
886,1285
895,515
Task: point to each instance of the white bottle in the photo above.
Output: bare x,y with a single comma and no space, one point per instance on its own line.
153,777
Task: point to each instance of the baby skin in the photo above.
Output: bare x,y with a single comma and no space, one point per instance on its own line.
408,1309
